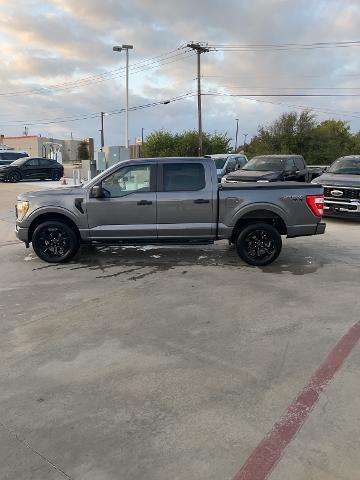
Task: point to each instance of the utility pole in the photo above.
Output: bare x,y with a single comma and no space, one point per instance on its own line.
119,49
245,135
199,50
237,131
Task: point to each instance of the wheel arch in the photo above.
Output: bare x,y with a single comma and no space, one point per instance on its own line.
261,215
48,216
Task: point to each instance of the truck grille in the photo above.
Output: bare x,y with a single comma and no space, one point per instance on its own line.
347,193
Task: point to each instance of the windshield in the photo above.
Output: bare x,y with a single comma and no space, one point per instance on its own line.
346,165
220,162
267,164
19,161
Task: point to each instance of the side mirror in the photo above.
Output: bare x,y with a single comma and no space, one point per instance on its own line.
228,169
96,192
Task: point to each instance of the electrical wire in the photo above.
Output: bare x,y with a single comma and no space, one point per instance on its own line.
75,118
138,67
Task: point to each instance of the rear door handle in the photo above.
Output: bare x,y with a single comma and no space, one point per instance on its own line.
144,202
201,200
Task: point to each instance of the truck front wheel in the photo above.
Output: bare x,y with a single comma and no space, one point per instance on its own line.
259,244
55,241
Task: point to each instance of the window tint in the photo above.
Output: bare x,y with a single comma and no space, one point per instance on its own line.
240,161
300,164
184,177
289,165
231,163
34,162
10,155
127,180
44,162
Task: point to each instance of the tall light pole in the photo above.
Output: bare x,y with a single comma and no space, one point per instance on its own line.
119,49
237,131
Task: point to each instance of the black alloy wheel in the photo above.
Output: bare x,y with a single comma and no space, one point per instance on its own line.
259,244
56,175
13,177
55,242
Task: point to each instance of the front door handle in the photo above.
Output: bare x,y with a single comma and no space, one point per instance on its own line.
144,202
201,200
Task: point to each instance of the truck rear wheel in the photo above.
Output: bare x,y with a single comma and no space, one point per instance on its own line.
259,244
55,242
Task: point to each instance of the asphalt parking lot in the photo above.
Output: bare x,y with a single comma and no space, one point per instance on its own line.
180,363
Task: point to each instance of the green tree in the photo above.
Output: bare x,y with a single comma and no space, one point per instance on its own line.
185,144
83,150
331,140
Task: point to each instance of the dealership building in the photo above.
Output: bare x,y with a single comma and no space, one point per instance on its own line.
38,146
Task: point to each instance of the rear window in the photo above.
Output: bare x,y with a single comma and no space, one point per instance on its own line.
184,177
12,155
44,162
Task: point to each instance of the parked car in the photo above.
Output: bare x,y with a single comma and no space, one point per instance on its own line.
168,200
8,156
341,184
274,168
226,163
31,168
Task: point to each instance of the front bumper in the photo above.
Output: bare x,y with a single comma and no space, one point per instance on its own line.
22,234
346,209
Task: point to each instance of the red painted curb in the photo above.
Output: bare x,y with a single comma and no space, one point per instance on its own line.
267,454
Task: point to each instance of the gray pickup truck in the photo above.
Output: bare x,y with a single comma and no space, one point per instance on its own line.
171,201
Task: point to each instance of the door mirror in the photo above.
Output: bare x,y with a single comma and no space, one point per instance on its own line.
228,169
97,192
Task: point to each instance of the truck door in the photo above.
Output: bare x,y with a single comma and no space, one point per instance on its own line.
185,203
128,209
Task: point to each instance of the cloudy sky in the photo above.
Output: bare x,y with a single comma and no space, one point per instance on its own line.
58,64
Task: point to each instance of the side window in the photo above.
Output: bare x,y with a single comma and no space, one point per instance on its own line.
127,180
240,162
289,165
44,162
231,164
300,164
182,177
34,162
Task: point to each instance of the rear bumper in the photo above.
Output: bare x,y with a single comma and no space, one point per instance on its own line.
306,230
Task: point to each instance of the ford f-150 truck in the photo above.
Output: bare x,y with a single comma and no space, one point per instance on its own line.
168,200
341,184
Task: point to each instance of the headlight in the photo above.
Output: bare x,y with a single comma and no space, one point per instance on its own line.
22,209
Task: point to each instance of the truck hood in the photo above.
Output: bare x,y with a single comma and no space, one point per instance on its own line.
253,176
53,192
338,180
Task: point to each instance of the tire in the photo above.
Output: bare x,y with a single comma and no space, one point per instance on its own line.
55,242
56,175
259,244
13,177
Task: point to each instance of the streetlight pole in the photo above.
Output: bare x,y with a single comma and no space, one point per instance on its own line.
237,131
119,49
102,131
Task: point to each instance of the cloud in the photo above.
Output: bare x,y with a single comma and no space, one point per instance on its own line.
50,42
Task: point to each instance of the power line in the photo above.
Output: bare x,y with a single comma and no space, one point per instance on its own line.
281,46
302,107
78,117
137,67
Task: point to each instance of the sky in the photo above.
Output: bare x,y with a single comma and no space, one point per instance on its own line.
58,64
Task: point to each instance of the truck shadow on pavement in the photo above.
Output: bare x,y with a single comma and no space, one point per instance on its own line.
139,262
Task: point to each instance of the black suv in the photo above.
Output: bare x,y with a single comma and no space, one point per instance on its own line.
31,168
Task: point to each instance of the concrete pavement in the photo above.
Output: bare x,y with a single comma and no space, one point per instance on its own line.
166,363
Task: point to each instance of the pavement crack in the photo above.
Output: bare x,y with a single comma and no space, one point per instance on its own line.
24,442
